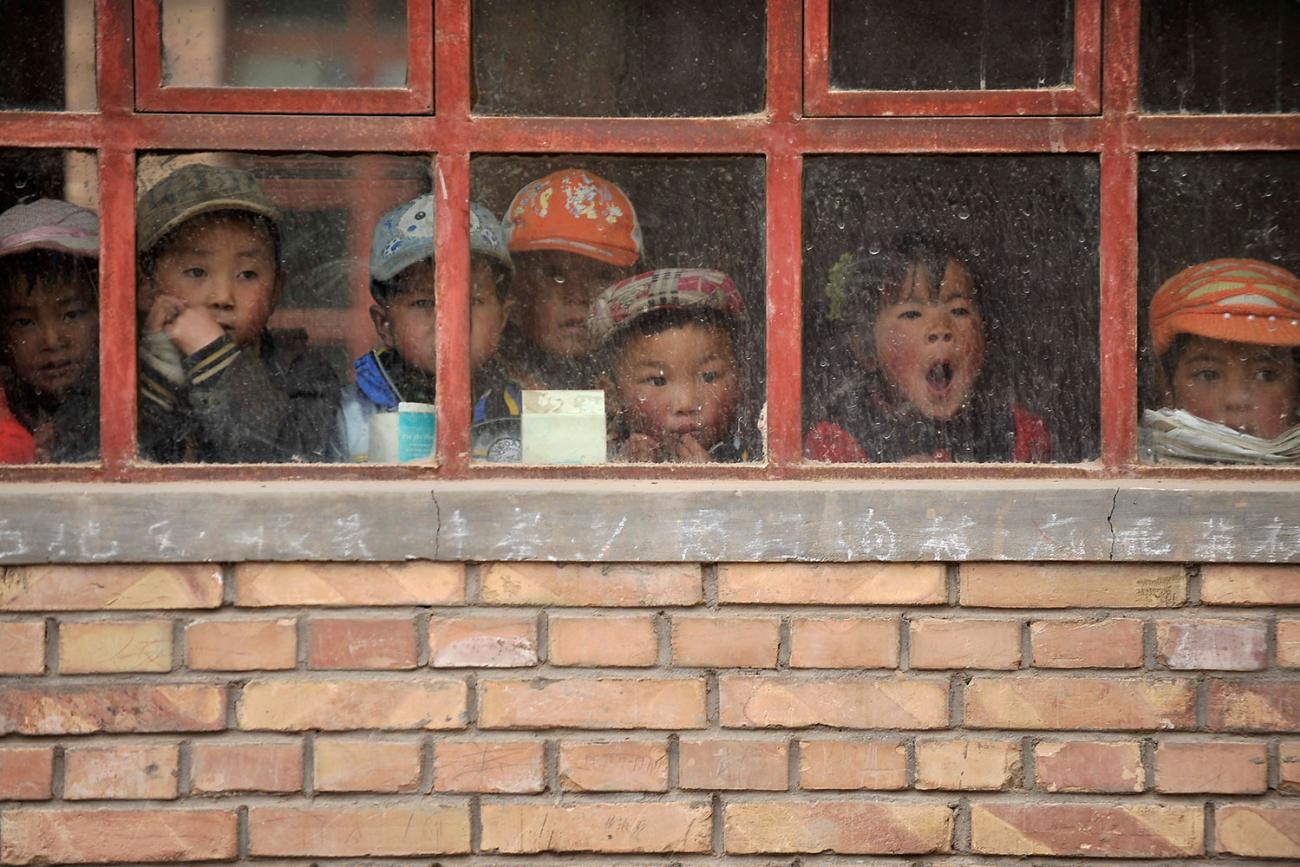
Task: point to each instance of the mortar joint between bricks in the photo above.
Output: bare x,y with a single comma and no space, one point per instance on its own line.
473,583
663,640
961,826
471,700
1273,755
719,824
551,766
226,574
422,618
712,714
1193,574
1147,753
59,761
183,769
952,583
309,765
1210,850
475,824
241,831
709,585
1028,765
51,647
792,773
957,699
1202,682
426,764
784,642
674,760
542,622
301,634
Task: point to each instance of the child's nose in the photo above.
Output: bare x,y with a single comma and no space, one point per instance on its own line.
686,400
940,330
53,335
221,295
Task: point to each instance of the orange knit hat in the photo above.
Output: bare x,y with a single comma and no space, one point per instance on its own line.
1238,300
574,211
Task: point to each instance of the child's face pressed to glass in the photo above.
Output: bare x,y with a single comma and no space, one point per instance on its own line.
554,292
50,332
679,382
929,339
1253,389
222,267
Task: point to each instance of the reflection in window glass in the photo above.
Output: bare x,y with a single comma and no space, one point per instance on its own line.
950,308
934,45
1215,57
255,298
49,307
1219,251
56,43
618,57
619,289
284,43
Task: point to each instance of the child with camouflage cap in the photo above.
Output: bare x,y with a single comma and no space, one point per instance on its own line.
215,383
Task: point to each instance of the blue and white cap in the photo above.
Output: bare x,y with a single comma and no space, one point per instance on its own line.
405,235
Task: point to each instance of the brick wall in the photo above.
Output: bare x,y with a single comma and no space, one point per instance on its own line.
740,714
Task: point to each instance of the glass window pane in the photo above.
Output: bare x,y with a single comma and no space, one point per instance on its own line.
251,316
1216,57
49,307
618,288
951,308
934,45
284,43
618,57
51,47
1219,251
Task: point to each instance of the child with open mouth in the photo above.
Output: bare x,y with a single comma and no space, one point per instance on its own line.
924,393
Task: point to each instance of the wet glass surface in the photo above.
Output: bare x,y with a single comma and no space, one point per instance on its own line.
595,58
1222,231
284,43
49,307
242,361
951,308
56,41
934,45
578,224
1203,56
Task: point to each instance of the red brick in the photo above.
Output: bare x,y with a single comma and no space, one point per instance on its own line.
1226,645
1072,585
1086,703
22,647
1088,830
936,643
1233,584
1258,831
852,764
1089,766
391,830
109,587
127,771
350,704
610,585
594,827
117,836
488,766
842,827
116,646
483,642
1258,706
363,643
1218,767
619,766
725,642
241,645
736,764
612,641
354,765
832,583
592,703
26,773
1111,643
419,582
122,707
218,768
1288,776
967,764
834,642
1288,643
783,702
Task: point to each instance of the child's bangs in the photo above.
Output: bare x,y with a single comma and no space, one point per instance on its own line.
34,268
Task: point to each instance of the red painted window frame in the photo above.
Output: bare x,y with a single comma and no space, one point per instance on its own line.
1083,96
781,134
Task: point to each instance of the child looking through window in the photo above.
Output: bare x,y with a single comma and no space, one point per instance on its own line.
923,391
49,329
667,339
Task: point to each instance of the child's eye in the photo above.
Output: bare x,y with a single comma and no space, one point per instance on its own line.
247,275
1205,374
708,376
658,380
1268,374
21,322
194,273
959,311
910,314
76,313
423,304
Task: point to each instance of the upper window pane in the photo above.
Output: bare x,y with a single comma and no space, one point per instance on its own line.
936,45
951,308
284,43
612,58
1215,57
56,43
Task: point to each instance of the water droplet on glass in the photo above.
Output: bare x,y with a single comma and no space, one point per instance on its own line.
20,183
963,214
874,249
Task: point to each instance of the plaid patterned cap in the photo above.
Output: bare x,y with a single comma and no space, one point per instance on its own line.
666,288
49,224
405,235
1238,300
197,189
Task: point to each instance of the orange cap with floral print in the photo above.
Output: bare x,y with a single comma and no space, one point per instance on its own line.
574,211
